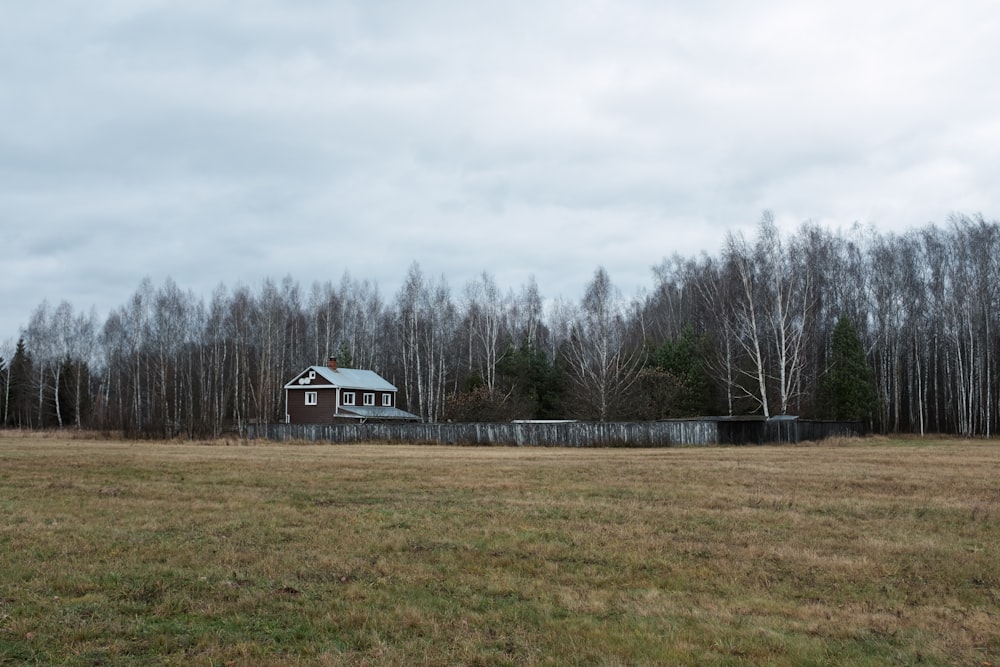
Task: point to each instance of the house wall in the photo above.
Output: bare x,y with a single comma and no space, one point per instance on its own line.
359,397
324,412
321,413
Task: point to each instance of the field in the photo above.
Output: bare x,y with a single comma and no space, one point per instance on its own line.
867,552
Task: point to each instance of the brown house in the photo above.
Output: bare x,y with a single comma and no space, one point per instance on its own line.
327,394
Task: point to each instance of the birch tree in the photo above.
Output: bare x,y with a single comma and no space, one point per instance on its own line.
425,319
527,313
326,320
364,324
601,360
790,301
485,316
749,320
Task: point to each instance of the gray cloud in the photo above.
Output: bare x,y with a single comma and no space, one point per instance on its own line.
223,141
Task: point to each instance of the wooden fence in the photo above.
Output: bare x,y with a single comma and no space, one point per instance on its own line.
565,434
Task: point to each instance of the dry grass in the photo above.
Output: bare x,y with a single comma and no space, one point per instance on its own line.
852,552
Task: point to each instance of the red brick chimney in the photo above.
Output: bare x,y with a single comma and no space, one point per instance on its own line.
332,363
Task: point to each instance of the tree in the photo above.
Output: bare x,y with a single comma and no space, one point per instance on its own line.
749,321
425,320
682,360
365,325
716,285
325,312
18,388
480,405
4,389
535,384
601,360
848,387
773,312
526,314
792,304
74,399
758,318
485,314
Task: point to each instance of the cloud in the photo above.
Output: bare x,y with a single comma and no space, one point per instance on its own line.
226,142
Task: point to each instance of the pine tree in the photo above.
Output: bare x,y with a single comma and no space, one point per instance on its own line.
847,389
537,384
682,361
18,387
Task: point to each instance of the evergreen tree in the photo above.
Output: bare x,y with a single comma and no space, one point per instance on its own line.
681,363
344,357
537,385
19,392
847,389
655,395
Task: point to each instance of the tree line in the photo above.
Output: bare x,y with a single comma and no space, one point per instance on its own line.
897,329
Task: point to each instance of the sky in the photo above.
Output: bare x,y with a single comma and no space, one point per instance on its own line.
218,141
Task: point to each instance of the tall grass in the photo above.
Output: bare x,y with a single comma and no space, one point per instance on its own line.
852,552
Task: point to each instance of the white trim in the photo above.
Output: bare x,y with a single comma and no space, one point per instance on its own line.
369,398
387,400
312,397
348,397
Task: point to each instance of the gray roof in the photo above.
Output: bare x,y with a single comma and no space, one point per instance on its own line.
375,412
346,378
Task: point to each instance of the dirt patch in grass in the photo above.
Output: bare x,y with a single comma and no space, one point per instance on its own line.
847,552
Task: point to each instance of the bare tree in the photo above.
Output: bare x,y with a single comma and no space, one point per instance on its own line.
425,319
82,345
7,351
485,316
749,321
716,286
217,384
789,306
526,314
924,303
326,319
602,362
363,316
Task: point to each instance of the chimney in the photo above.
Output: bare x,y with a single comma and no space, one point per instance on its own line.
332,363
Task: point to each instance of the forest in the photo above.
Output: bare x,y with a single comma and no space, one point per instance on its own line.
900,330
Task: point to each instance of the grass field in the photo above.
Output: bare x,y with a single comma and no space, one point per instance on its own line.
863,552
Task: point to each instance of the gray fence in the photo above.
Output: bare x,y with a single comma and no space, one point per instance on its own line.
560,434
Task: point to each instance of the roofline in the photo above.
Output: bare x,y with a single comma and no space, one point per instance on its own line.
291,385
321,371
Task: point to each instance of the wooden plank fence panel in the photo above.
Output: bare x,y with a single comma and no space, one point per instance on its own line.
566,434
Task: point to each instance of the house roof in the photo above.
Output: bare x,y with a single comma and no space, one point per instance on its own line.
375,412
345,378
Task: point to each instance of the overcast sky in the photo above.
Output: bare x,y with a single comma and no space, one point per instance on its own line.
226,142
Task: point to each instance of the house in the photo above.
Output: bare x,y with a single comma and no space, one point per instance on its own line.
328,394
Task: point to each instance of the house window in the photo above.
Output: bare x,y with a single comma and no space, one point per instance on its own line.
369,399
310,398
348,398
387,400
